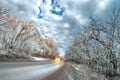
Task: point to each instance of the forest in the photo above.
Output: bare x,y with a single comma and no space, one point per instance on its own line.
99,45
21,39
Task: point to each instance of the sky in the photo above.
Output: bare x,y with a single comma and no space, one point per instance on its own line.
59,19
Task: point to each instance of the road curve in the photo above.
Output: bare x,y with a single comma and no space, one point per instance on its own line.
27,70
60,74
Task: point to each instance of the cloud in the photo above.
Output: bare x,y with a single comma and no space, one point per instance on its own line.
63,20
27,9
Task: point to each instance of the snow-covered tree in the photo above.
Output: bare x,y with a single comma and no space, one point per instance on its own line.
99,47
22,37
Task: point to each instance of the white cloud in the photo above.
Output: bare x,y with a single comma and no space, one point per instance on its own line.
66,25
102,5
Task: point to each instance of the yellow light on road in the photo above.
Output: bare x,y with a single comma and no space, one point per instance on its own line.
57,60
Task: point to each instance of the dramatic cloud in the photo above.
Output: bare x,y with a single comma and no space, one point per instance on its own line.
60,19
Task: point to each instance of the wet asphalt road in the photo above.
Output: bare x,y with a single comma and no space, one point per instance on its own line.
29,70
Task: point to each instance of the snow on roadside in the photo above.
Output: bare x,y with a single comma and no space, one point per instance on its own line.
39,59
83,72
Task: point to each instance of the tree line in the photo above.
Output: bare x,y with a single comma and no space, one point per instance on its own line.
20,38
99,45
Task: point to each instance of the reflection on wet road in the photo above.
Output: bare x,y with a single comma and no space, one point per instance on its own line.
27,70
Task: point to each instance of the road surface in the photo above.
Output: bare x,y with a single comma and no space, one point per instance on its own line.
31,70
61,74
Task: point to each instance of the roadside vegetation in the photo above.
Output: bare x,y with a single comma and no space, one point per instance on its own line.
99,46
20,39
